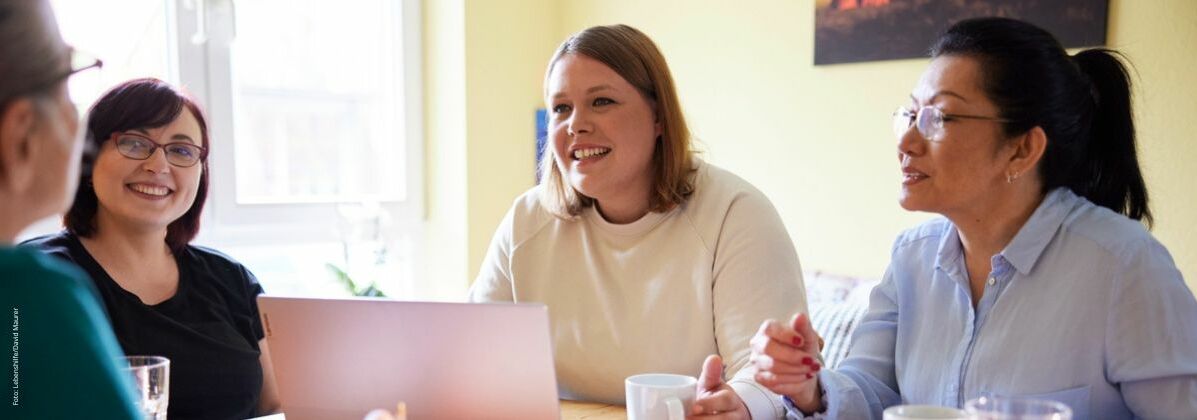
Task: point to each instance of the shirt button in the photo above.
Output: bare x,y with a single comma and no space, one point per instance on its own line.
991,281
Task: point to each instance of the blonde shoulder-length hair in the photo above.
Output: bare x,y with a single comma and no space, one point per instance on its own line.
638,60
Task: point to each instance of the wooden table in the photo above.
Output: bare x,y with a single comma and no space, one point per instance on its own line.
591,411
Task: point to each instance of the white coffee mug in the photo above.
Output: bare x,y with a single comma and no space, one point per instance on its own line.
922,412
659,396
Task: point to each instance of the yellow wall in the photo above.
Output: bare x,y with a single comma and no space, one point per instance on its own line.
445,170
507,45
816,140
483,63
1160,41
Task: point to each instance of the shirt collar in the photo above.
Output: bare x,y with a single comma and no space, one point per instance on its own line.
1028,244
1030,241
950,256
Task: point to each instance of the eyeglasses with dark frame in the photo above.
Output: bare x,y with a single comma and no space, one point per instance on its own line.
139,147
929,121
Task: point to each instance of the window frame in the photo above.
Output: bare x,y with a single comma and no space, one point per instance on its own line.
205,71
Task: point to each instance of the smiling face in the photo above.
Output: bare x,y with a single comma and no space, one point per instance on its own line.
965,169
151,193
603,132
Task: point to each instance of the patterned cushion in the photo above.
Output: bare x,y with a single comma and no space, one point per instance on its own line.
837,304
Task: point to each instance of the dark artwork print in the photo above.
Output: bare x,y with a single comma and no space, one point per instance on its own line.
848,31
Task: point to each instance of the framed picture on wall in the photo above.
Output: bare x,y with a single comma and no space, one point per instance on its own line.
849,31
542,135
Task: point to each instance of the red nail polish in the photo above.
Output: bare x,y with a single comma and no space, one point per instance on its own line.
797,341
807,361
817,368
810,375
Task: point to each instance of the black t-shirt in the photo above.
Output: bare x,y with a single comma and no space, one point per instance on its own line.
209,329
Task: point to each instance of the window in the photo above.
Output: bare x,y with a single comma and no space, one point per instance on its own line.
318,104
132,37
314,114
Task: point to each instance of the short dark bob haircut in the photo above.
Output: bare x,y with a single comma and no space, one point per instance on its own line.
138,104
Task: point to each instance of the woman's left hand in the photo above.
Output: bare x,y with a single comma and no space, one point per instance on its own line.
715,399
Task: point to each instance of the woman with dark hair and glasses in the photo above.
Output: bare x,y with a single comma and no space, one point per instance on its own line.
1040,280
64,357
130,229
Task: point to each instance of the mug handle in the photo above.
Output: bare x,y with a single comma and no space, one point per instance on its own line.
674,407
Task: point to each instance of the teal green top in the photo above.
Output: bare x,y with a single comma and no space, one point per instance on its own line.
64,357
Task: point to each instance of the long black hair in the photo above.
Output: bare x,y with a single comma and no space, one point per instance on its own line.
1082,102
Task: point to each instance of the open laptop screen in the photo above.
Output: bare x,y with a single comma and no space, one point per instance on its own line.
340,358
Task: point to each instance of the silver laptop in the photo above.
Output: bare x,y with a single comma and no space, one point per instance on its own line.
340,358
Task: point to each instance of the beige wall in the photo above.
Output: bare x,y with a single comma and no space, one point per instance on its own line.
816,140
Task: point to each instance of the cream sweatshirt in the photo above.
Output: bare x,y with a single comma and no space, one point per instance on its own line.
653,296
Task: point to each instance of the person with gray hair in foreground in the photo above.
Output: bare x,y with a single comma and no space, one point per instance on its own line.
64,357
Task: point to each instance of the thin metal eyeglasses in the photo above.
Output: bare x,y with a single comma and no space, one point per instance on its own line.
929,121
79,61
138,147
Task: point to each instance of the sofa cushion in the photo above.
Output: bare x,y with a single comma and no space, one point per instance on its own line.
837,304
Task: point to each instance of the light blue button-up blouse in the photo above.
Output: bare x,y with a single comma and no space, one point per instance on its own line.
1083,306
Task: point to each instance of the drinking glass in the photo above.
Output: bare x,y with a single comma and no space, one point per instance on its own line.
151,375
1004,408
922,412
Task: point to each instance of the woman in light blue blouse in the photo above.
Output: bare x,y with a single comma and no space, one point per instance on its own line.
1040,280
